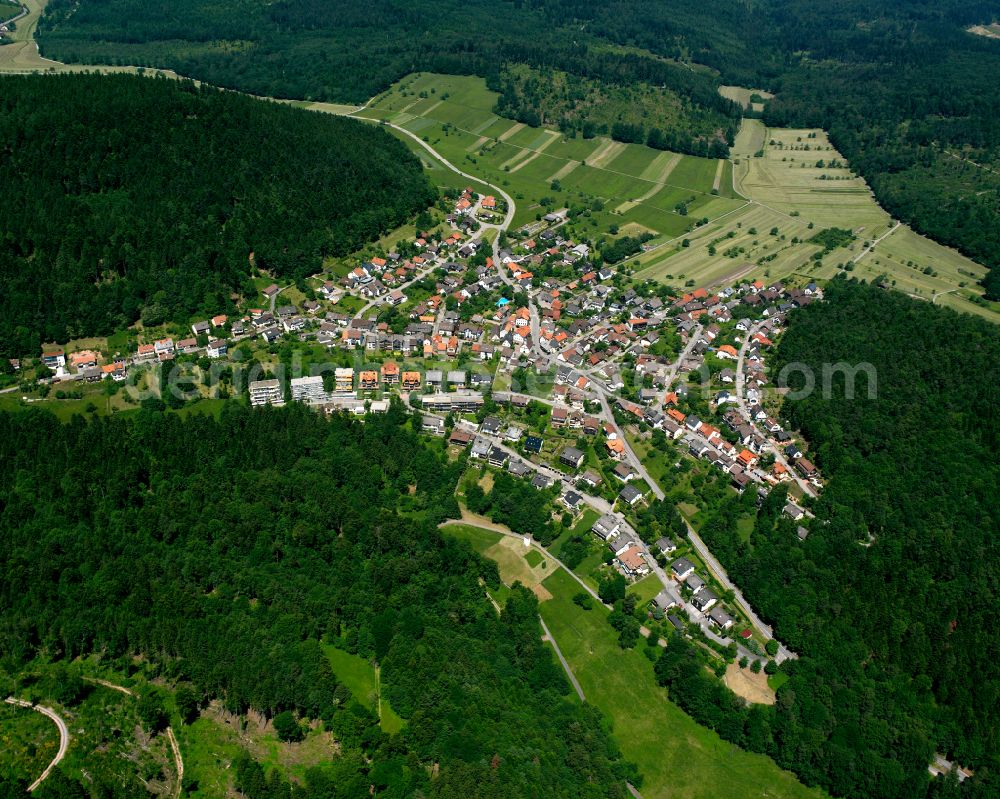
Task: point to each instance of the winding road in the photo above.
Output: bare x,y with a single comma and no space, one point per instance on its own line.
63,737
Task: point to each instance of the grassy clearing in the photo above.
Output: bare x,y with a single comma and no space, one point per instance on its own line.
646,588
455,116
515,562
904,256
742,95
21,56
211,744
358,675
677,757
28,742
209,750
795,193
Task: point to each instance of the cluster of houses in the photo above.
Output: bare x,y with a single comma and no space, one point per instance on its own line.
470,206
630,557
702,598
751,429
89,365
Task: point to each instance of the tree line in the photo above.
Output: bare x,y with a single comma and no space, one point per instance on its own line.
128,198
231,552
890,599
905,92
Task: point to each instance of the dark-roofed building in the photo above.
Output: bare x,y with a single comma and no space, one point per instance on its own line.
704,599
571,456
666,545
682,568
630,495
533,444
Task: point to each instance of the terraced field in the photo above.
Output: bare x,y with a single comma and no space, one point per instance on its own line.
793,193
627,186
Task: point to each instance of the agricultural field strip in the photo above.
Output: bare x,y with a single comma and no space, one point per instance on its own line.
682,236
657,171
553,137
589,162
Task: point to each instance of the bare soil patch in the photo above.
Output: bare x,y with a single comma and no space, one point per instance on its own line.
752,687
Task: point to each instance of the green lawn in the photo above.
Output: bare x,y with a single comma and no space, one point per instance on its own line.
478,538
595,557
359,676
646,588
533,557
8,10
678,757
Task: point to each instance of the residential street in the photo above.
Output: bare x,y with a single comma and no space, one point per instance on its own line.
779,456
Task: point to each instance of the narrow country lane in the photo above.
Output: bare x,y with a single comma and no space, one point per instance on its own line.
63,737
565,664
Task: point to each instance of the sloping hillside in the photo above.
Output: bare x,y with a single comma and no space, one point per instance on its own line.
126,198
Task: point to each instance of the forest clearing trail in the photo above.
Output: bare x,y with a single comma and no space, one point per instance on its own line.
63,737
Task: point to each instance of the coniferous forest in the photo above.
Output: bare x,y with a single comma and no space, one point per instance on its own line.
892,597
130,198
908,96
230,551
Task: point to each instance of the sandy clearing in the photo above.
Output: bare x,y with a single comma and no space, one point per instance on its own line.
517,126
509,556
568,167
741,95
605,154
553,137
752,687
718,175
477,144
991,31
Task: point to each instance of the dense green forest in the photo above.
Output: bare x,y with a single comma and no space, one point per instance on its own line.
908,96
892,597
130,198
227,551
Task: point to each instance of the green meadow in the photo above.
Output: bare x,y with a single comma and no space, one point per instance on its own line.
677,757
623,185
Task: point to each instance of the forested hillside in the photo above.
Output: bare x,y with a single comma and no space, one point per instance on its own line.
128,198
229,551
892,598
637,113
908,95
910,98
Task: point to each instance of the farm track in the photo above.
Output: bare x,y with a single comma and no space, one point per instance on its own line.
63,737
